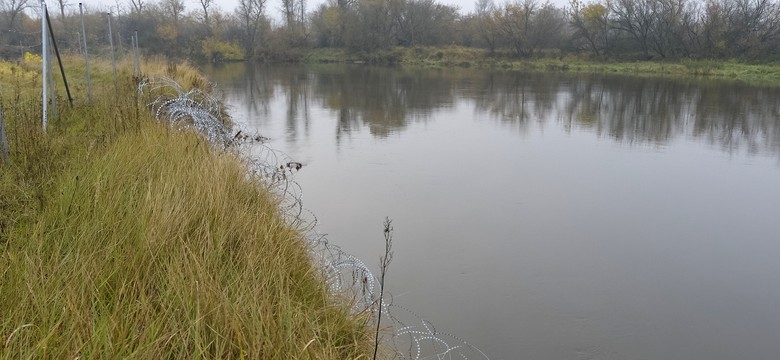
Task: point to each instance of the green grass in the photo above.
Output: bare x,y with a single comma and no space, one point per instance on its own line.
328,55
457,56
122,238
713,69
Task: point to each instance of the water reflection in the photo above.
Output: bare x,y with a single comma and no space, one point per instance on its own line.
557,247
382,99
730,116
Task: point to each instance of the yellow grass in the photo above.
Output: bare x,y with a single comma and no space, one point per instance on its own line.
122,238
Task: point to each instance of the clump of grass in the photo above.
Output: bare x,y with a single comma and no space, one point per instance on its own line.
702,67
445,56
164,248
121,237
325,55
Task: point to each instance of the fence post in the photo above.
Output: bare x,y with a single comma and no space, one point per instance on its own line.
136,60
59,61
132,54
44,51
3,139
52,89
86,56
138,52
111,42
119,33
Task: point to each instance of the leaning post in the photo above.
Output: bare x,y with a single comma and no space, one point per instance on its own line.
52,89
86,56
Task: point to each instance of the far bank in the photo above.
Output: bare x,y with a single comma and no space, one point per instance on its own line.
765,73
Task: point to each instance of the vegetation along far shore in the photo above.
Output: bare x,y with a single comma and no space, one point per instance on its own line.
731,39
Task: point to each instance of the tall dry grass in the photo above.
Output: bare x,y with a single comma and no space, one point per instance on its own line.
123,238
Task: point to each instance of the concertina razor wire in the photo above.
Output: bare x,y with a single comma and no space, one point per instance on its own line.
413,337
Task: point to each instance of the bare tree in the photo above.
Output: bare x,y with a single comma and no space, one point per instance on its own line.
752,24
486,23
547,26
289,12
514,23
590,24
206,5
668,27
345,8
62,4
302,11
370,25
11,9
635,17
714,25
293,14
426,22
173,9
250,16
137,6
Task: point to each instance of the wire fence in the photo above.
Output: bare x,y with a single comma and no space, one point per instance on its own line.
412,336
15,43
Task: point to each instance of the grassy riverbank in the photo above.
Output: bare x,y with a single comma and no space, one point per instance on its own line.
120,237
455,56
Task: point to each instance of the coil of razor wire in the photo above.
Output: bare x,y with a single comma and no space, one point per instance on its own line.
412,337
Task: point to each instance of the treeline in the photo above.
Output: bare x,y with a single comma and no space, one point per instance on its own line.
256,29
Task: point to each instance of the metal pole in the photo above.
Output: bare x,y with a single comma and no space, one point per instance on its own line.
3,140
86,56
138,50
132,53
111,42
44,51
78,37
119,32
137,55
59,60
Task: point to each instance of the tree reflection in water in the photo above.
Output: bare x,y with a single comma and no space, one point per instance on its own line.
731,116
363,103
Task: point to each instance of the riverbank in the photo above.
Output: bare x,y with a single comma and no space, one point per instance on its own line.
455,56
120,237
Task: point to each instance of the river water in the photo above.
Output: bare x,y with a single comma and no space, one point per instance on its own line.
544,216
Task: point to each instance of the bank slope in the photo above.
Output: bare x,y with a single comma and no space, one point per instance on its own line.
149,243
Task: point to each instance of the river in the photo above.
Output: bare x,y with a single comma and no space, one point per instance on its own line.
544,216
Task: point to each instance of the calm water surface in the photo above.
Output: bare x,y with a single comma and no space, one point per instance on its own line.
545,216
